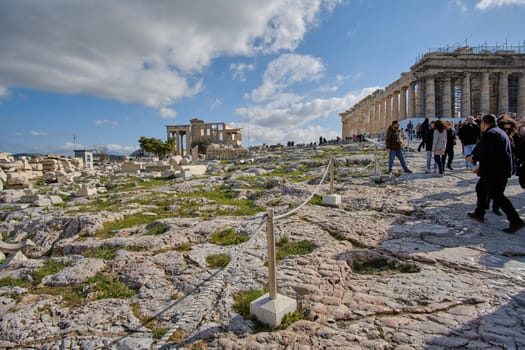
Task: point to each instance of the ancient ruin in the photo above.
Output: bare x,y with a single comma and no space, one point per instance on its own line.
449,82
186,136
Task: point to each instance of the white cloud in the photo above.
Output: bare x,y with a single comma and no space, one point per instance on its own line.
70,146
460,4
239,70
39,133
271,123
3,92
216,103
119,149
100,122
167,113
143,52
486,4
284,71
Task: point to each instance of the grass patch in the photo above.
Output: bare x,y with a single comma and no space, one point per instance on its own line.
159,332
94,288
157,229
241,305
103,252
228,237
219,195
217,261
242,300
286,248
183,247
50,268
13,282
383,265
316,200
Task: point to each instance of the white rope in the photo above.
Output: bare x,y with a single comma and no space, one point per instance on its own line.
308,199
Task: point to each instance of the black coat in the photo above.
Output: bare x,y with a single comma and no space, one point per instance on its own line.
469,134
494,154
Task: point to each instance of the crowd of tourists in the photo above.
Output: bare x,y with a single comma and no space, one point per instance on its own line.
492,147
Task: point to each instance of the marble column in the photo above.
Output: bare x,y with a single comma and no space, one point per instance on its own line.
503,93
430,98
465,96
447,98
395,106
412,100
378,124
521,95
372,115
420,99
388,110
403,103
485,93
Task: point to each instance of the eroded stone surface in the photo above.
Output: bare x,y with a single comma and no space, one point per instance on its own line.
467,293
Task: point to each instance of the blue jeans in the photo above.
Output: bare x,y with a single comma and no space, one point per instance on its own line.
467,149
396,153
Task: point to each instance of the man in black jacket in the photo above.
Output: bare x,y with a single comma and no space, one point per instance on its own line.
495,167
469,137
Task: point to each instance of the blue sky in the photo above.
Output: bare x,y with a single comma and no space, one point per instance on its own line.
101,74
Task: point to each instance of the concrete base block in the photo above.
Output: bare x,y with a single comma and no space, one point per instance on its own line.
332,200
271,311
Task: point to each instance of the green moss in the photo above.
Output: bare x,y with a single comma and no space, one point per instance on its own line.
228,237
183,247
217,261
103,252
159,332
242,300
290,318
157,229
13,282
316,200
109,286
286,248
50,268
383,265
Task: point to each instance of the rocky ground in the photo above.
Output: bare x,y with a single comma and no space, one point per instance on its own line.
398,265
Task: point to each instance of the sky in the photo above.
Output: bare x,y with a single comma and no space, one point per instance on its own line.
100,74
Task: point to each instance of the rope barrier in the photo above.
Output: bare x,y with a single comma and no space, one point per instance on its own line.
308,199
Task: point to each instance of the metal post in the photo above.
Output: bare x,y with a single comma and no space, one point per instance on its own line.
271,255
332,161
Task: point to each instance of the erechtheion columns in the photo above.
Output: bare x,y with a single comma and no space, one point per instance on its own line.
198,131
449,83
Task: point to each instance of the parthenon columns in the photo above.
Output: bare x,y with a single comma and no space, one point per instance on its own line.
403,103
395,106
465,96
503,96
485,93
447,98
412,101
430,98
388,108
445,84
521,94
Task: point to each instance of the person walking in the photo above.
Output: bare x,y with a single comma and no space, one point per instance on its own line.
494,155
393,146
448,157
469,137
439,144
423,129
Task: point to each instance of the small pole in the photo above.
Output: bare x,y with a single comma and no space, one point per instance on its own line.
271,255
332,175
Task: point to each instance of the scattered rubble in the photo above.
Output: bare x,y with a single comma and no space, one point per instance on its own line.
115,256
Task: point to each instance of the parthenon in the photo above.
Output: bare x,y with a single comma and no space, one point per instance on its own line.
449,83
198,130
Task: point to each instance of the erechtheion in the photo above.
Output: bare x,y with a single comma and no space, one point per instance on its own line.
449,82
198,130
